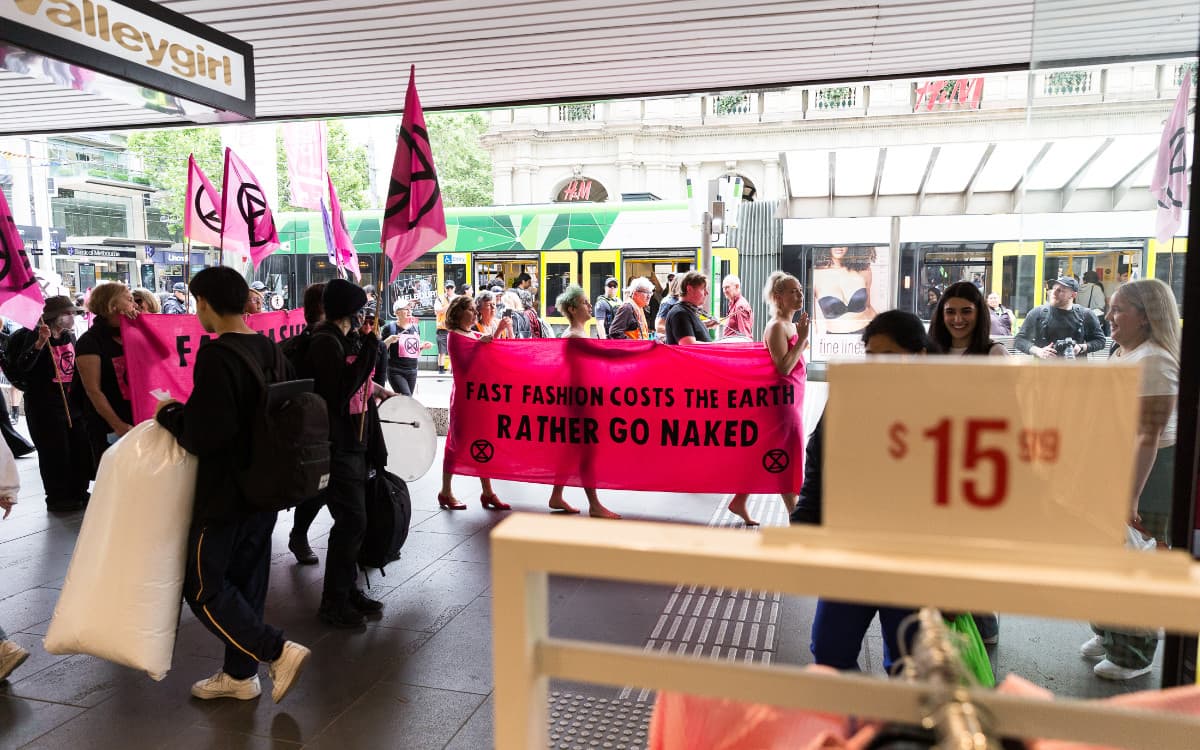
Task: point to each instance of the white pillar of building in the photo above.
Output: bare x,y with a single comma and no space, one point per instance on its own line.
502,184
769,190
522,192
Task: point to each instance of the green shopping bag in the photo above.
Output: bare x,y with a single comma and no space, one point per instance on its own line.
971,650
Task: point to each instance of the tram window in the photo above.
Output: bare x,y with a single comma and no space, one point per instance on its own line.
1016,283
719,292
558,277
1168,268
276,272
598,274
320,269
456,272
418,281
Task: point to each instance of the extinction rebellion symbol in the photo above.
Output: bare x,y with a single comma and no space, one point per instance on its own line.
251,205
776,460
481,451
411,346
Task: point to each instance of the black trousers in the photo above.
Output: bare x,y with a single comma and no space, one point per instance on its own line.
225,584
403,382
346,497
64,455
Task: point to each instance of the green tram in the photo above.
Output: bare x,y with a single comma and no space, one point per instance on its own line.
556,245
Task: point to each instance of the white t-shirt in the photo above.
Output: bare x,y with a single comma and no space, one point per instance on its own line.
1160,377
995,350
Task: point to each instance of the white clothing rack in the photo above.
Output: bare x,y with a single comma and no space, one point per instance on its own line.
1124,588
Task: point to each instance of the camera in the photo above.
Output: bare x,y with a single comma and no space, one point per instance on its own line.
501,309
506,313
1062,346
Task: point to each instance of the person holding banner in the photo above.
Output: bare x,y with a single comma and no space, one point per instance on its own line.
461,320
100,374
629,322
44,362
574,305
785,337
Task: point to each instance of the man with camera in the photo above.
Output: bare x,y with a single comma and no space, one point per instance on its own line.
1060,328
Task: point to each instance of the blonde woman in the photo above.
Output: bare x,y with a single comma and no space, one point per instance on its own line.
573,303
785,342
100,368
1145,325
146,301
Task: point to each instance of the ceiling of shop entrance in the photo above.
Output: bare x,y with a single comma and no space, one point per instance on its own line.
337,57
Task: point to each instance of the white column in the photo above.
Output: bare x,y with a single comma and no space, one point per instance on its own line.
769,190
521,184
502,184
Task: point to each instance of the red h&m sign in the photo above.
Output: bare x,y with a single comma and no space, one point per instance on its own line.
576,190
966,93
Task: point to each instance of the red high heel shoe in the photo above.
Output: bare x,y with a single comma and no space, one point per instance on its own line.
447,502
492,502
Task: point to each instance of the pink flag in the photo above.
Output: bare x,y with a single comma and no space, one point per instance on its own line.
1169,185
247,224
20,296
413,221
305,145
347,256
202,207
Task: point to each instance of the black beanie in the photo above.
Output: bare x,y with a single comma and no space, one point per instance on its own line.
342,299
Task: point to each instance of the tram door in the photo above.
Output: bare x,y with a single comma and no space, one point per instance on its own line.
559,269
1166,263
598,266
724,262
657,265
1017,275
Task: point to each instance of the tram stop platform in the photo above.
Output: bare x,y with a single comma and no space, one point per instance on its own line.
421,675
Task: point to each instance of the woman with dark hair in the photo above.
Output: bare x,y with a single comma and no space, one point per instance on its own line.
842,288
461,318
839,626
961,323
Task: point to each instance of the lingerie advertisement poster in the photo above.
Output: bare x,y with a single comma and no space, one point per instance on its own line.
847,287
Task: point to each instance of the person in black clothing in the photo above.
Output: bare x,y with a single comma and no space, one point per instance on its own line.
176,304
683,321
1057,320
404,347
101,383
606,307
296,350
341,364
365,322
44,361
229,543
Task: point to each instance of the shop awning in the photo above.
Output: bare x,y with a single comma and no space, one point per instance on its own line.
332,57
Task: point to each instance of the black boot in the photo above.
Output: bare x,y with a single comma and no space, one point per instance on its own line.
341,615
303,552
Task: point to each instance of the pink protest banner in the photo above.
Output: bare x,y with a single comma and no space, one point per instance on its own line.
20,295
306,162
633,415
161,351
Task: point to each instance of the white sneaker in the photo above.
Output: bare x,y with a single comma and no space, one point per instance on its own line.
222,685
11,657
1110,671
1093,649
287,668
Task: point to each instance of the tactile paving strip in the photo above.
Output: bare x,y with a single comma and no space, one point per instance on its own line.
584,722
733,624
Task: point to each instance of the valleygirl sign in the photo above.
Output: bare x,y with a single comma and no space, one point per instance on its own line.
168,51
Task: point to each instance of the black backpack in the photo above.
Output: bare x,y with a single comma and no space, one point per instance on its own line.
289,440
295,348
389,513
11,348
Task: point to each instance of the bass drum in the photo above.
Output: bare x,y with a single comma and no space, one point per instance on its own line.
410,436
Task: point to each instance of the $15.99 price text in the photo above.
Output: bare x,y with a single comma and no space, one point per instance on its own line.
987,446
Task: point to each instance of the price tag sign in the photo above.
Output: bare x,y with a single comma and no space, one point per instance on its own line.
981,449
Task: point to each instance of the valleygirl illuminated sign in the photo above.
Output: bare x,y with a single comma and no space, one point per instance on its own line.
169,47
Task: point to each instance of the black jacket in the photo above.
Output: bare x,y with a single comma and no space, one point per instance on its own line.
808,505
215,423
339,381
34,367
1047,324
172,306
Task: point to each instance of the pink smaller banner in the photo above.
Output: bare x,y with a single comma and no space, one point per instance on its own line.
20,296
247,225
631,415
202,212
343,246
306,162
164,348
